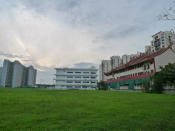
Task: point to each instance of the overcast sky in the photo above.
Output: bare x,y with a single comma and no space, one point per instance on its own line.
79,33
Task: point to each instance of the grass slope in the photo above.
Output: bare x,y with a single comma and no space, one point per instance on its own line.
37,109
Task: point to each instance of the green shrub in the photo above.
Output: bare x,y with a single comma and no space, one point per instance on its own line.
146,86
102,85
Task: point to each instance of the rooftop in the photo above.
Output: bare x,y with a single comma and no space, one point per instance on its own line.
141,59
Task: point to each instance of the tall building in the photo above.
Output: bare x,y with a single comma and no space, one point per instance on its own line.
17,74
105,66
162,40
125,59
115,61
14,74
6,74
0,75
31,77
148,49
77,78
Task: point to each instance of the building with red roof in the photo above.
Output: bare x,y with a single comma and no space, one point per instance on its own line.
132,74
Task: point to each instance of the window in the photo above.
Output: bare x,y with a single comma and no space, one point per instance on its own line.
85,87
93,72
69,82
77,76
93,82
77,86
85,72
69,76
92,77
77,81
85,76
69,86
70,72
148,66
85,81
78,72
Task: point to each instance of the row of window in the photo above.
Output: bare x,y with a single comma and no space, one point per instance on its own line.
86,77
135,74
81,82
136,67
70,72
79,87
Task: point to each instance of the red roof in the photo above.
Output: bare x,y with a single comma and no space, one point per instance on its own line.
141,59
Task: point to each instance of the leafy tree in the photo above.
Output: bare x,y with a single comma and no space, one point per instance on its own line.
102,85
168,14
164,77
146,86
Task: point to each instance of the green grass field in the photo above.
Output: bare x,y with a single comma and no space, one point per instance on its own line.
37,109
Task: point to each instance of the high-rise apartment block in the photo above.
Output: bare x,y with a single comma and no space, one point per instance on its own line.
148,49
162,40
115,61
14,74
125,59
105,66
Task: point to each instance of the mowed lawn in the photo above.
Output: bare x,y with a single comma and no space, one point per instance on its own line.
39,109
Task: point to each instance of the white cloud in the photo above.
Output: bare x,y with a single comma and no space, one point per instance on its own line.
50,33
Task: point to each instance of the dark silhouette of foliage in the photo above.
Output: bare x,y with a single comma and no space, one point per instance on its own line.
162,78
168,14
102,85
146,86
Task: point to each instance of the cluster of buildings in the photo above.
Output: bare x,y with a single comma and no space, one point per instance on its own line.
120,72
76,78
14,74
128,71
115,61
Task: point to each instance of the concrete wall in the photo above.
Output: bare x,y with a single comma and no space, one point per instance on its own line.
164,59
123,87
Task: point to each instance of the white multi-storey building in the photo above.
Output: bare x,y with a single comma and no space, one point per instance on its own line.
148,49
105,66
162,40
14,74
125,59
77,78
115,61
17,74
31,76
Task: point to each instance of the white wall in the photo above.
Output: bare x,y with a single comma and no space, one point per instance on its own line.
164,59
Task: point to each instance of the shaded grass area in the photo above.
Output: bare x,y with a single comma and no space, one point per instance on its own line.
37,109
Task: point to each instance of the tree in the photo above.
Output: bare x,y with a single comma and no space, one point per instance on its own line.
102,85
164,77
168,14
146,86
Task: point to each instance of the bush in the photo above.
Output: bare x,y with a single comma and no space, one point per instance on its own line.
146,86
102,85
164,77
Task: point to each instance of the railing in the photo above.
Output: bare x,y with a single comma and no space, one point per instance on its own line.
131,77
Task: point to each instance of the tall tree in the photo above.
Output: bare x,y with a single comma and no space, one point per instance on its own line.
168,14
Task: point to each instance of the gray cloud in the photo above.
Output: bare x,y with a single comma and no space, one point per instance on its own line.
50,33
8,55
84,65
